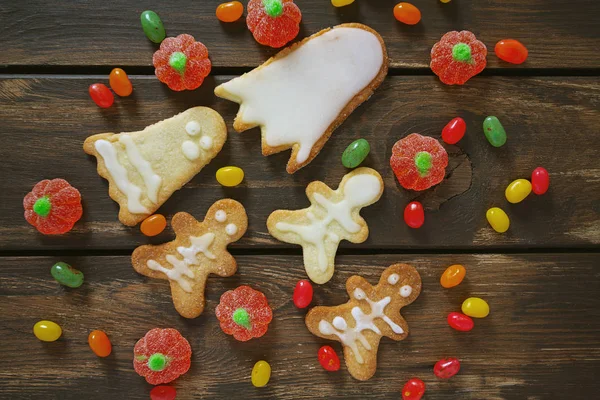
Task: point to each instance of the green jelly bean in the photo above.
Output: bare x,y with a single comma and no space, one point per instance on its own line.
153,26
494,131
355,153
67,275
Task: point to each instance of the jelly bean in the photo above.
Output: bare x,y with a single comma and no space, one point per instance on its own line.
163,393
303,294
407,13
453,276
475,307
99,343
460,322
414,216
355,153
446,368
230,12
66,275
454,130
120,83
47,331
230,176
511,51
153,26
498,219
341,3
540,180
153,225
517,190
329,359
413,389
445,1
261,373
494,131
101,95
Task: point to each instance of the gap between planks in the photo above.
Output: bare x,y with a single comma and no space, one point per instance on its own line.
55,71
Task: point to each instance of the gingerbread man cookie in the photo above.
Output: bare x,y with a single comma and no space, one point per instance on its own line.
332,217
199,249
302,94
371,312
144,168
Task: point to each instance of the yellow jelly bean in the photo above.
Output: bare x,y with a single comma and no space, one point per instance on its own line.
261,373
475,307
498,219
230,176
517,190
445,1
341,3
47,331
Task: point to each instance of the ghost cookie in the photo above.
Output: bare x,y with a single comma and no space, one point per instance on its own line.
144,168
299,96
371,312
333,216
199,249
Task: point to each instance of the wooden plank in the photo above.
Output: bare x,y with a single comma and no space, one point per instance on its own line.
541,340
107,32
550,122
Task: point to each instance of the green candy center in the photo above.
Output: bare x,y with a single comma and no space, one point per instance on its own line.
242,318
157,362
177,61
423,162
273,8
461,52
42,206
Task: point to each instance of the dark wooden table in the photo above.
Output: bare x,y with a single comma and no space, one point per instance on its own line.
541,278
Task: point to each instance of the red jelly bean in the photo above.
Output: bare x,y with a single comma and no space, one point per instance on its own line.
329,358
511,51
303,294
413,389
454,130
414,216
540,180
460,322
163,393
446,368
101,95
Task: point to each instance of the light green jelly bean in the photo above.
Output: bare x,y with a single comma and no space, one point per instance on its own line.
153,26
494,131
67,275
355,153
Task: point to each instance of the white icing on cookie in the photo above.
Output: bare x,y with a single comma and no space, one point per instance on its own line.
143,167
296,98
358,191
231,229
192,128
352,336
181,268
221,216
190,150
393,279
206,142
405,291
119,175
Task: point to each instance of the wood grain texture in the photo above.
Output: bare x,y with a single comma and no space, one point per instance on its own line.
558,34
541,340
550,122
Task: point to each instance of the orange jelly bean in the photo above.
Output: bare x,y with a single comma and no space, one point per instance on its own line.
407,13
453,276
99,343
120,83
153,225
230,12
